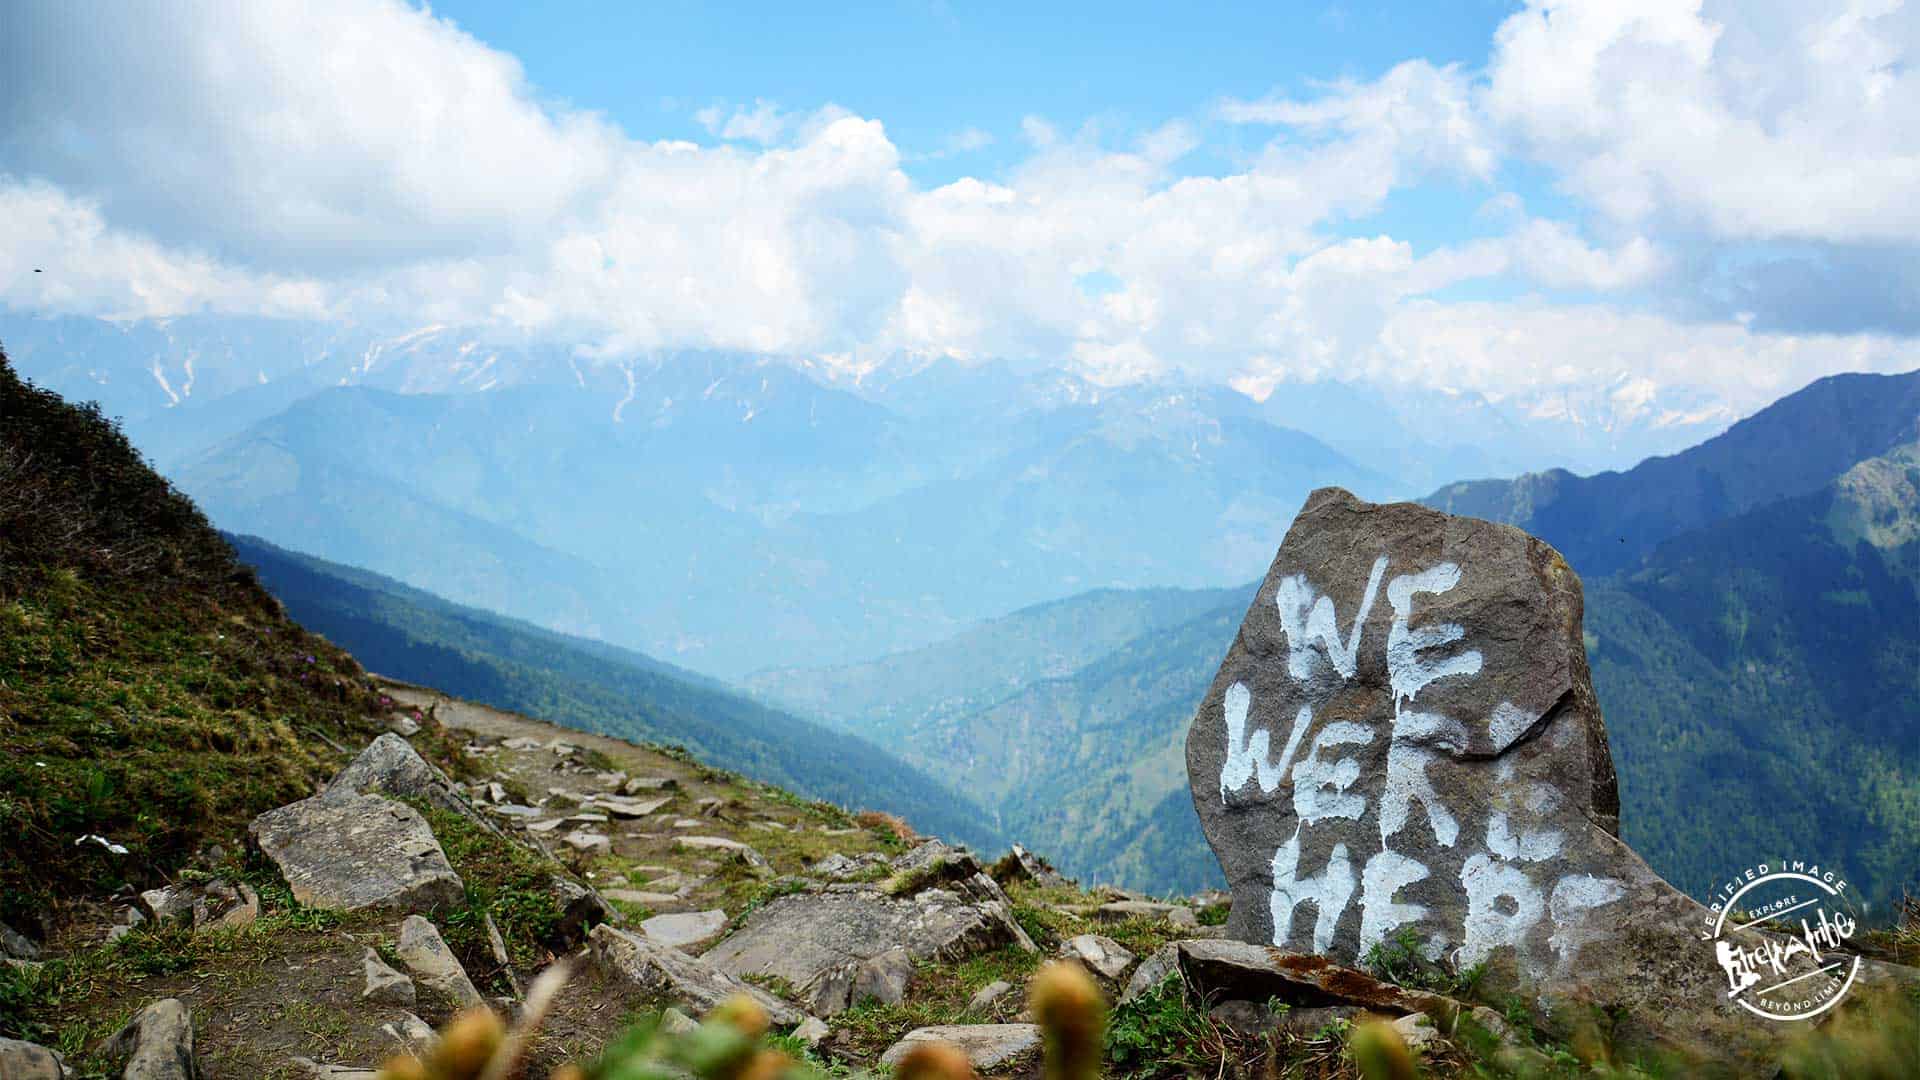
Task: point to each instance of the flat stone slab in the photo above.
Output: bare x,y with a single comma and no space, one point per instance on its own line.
662,970
987,1046
433,966
353,852
1103,956
827,944
685,930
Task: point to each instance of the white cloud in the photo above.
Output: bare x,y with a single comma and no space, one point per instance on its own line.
368,161
1795,120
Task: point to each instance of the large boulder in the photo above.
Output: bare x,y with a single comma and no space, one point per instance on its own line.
835,944
1403,740
353,852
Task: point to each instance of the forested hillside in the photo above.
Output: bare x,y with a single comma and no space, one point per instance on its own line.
412,635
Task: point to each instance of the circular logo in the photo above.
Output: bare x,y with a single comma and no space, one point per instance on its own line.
1777,931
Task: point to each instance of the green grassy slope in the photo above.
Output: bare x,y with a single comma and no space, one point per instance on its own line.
151,692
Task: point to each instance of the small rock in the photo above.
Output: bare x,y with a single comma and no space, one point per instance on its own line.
314,1070
984,998
522,744
1122,910
591,843
414,1035
1417,1031
688,823
385,986
17,945
883,978
675,1022
812,1030
987,1046
1024,864
686,930
27,1061
404,726
390,766
158,1043
1105,956
630,808
425,954
840,867
515,810
710,806
640,896
496,792
754,860
1162,965
638,784
210,904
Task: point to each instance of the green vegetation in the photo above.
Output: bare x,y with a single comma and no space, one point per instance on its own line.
505,879
1402,959
151,693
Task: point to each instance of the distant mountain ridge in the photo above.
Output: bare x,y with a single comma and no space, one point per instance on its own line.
1756,671
1796,446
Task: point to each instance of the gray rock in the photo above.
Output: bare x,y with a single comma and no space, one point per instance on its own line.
1024,865
1404,737
659,970
987,1046
640,784
390,766
841,867
883,978
27,1061
352,852
1245,1017
1417,1031
686,930
207,904
818,941
630,808
1154,970
812,1030
744,852
1178,915
17,945
433,966
675,1022
385,986
581,908
986,997
590,843
1103,956
157,1043
640,896
314,1070
412,1034
404,726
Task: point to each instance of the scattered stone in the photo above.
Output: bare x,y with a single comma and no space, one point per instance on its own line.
630,808
586,818
496,792
1465,791
591,843
689,823
686,930
157,1043
639,896
28,1061
658,969
547,825
746,854
1417,1031
1178,915
17,945
348,853
414,1035
1104,956
385,986
203,905
515,810
812,1030
710,806
675,1022
314,1070
819,942
840,867
580,907
1024,865
986,996
404,726
638,784
987,1046
390,766
522,743
425,954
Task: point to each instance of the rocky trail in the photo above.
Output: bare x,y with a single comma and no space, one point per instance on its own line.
310,952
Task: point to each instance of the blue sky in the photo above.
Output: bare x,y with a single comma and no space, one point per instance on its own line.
932,71
1653,206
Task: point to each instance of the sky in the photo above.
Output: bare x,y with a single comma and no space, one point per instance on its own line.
1649,197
